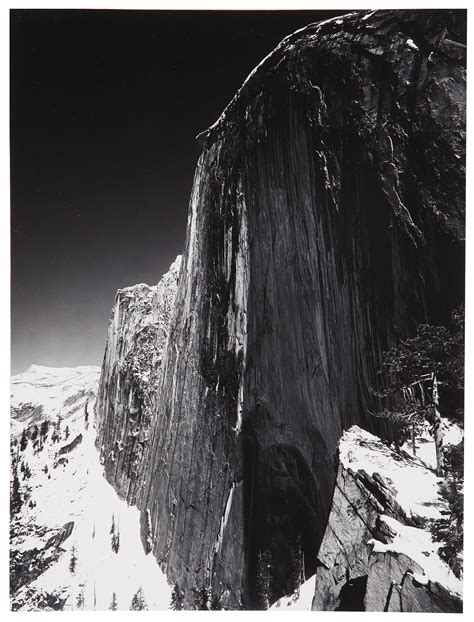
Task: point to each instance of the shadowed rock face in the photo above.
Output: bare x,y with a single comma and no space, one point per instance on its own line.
326,219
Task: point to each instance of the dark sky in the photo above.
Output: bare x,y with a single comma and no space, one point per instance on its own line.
105,106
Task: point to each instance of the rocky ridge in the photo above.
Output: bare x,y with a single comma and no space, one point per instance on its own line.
377,553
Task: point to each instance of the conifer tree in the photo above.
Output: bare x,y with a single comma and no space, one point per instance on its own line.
73,560
113,604
26,471
44,429
23,440
138,601
413,373
16,500
215,604
200,599
264,567
80,602
115,536
298,573
177,598
34,433
449,529
116,541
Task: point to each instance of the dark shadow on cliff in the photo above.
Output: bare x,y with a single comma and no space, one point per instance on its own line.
285,509
352,595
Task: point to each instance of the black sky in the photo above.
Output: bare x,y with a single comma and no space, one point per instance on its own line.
105,106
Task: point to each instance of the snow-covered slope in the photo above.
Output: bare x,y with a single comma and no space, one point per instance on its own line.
46,392
299,601
67,486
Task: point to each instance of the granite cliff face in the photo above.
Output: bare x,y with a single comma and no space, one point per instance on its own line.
326,219
131,371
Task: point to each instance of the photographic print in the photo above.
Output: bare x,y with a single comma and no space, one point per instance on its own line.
237,364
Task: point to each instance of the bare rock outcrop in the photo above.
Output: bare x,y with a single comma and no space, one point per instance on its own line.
377,553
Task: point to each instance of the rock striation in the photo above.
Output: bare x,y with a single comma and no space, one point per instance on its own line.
136,339
377,553
326,220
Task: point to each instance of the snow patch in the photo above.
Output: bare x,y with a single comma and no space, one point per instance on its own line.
415,487
411,45
418,545
303,603
224,518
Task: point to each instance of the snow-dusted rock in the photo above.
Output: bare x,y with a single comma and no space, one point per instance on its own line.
377,553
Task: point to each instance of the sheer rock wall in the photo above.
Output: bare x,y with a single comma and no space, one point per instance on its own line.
326,220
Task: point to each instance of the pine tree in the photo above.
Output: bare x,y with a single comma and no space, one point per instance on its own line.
449,529
138,601
16,500
177,598
73,560
80,602
200,599
34,433
113,604
66,433
413,373
86,415
264,567
44,429
23,440
116,541
298,573
115,533
26,471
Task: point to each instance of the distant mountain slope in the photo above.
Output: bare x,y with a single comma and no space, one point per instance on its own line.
66,504
48,392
